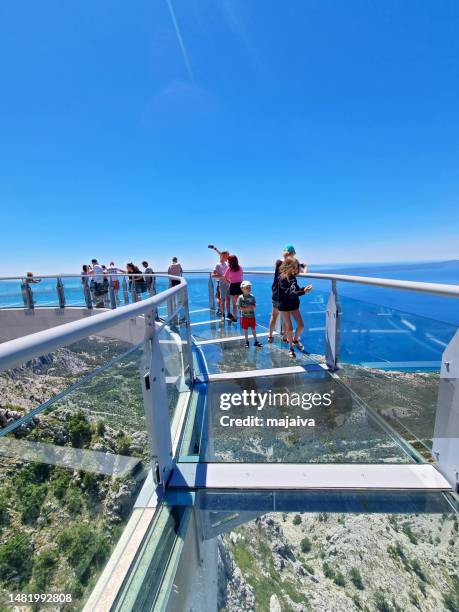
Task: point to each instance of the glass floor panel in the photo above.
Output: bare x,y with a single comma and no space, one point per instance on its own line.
214,501
209,331
202,314
273,419
289,551
232,356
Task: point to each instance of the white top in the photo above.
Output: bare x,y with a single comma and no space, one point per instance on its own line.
98,273
220,269
113,271
175,269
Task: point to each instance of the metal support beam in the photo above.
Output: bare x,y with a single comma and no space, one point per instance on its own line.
111,292
60,293
211,293
125,290
156,404
332,329
188,346
445,448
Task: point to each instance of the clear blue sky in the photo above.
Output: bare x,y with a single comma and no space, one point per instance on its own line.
333,125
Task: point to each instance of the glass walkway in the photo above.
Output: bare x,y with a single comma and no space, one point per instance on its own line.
150,461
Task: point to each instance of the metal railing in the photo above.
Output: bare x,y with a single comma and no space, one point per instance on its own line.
23,349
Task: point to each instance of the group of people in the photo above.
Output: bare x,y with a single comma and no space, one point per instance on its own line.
100,278
235,294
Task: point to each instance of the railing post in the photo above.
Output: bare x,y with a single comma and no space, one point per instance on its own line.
332,329
445,447
156,405
189,350
60,292
111,291
211,293
125,290
134,295
27,295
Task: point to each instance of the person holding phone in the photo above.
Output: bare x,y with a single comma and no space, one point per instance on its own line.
288,295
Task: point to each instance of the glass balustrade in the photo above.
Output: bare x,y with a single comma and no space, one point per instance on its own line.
75,446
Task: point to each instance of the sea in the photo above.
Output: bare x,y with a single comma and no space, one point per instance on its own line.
379,327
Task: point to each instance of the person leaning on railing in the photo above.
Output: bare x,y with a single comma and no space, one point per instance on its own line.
136,280
175,269
31,280
150,281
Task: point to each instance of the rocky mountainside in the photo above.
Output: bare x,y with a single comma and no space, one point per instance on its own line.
330,562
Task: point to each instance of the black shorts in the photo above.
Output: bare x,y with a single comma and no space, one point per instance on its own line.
235,289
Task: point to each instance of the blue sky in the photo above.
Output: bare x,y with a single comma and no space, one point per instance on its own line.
330,125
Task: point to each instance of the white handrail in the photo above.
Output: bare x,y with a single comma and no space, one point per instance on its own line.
433,288
15,352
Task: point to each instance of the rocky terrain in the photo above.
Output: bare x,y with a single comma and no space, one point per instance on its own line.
340,562
58,524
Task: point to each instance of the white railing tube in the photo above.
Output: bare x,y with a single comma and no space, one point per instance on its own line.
20,350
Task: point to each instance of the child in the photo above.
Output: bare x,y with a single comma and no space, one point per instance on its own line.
246,304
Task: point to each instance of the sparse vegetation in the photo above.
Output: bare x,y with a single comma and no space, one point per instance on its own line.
16,560
356,578
297,519
409,533
305,545
381,603
45,565
79,430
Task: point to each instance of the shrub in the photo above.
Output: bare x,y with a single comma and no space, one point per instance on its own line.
414,599
80,430
74,501
297,519
409,533
381,603
328,571
451,601
122,444
83,548
356,578
44,566
16,560
31,498
4,514
417,569
339,579
100,428
60,482
305,545
90,482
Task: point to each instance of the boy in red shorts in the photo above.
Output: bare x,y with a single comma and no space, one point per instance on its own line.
246,304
